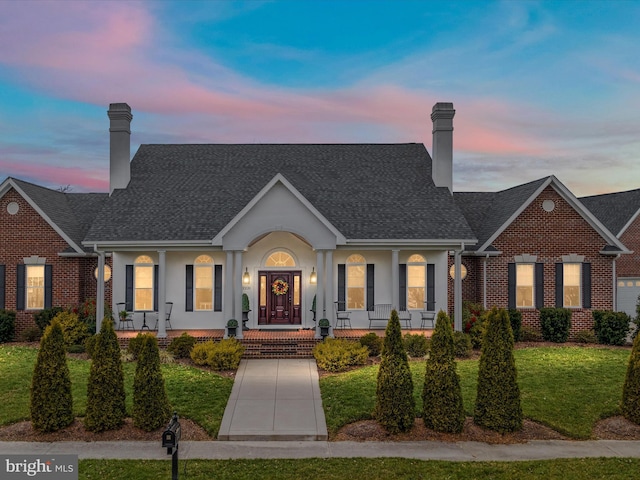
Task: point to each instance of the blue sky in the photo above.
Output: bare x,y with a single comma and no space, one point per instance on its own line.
540,88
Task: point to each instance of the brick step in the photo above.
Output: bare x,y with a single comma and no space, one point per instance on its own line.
278,348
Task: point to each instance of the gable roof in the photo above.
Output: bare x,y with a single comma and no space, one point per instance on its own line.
69,214
366,191
489,213
615,210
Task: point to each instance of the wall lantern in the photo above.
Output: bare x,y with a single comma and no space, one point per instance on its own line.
107,273
463,271
313,278
246,277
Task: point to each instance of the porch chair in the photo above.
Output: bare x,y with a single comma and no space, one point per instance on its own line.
428,316
342,315
125,318
167,312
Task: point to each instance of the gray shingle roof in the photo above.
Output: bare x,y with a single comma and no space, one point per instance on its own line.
367,191
614,210
486,212
73,213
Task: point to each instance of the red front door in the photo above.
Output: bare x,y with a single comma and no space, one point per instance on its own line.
279,298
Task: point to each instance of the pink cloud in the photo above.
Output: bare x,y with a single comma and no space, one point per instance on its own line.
92,180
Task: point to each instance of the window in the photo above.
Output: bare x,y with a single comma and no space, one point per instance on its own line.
203,267
143,283
571,275
356,268
280,259
524,285
416,282
35,287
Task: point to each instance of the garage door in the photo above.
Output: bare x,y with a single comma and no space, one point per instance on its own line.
628,291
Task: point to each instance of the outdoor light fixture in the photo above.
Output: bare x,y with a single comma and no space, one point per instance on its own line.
246,278
313,278
463,271
107,273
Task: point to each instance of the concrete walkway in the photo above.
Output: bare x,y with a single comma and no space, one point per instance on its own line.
453,452
274,400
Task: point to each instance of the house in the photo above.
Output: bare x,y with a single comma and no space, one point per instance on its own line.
620,212
539,246
196,226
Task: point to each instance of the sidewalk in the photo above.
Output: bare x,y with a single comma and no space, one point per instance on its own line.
453,452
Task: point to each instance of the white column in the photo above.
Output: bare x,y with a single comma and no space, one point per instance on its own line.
228,287
457,292
100,292
162,293
395,276
329,290
237,292
319,289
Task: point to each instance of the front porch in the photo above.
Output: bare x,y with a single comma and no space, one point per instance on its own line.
266,343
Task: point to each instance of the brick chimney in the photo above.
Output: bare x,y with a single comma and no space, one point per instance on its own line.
120,145
442,148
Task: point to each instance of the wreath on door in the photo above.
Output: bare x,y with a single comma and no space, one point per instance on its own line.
279,287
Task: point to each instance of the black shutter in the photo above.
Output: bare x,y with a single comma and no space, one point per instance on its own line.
431,287
128,291
539,281
586,285
188,296
48,286
511,285
370,286
155,288
402,286
20,292
559,285
342,277
2,285
217,288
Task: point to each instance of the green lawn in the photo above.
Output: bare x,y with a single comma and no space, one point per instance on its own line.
566,388
370,469
194,394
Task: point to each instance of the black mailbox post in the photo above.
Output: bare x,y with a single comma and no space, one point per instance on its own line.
170,441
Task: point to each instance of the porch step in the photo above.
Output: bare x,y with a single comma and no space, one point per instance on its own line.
279,344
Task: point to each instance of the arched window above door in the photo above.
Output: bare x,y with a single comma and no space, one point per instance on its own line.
280,259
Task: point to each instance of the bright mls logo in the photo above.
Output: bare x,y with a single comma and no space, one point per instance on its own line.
55,467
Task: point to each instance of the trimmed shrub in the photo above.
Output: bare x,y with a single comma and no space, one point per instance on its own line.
166,357
7,325
135,345
75,349
528,334
586,336
86,312
181,346
90,345
461,345
631,390
151,408
498,399
395,405
43,317
636,320
442,406
73,330
373,342
337,354
51,403
555,323
31,334
416,345
611,328
515,317
223,355
472,313
105,388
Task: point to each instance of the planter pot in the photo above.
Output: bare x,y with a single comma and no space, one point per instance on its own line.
324,332
231,331
245,319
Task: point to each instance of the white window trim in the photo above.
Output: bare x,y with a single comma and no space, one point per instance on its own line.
195,288
579,263
136,265
422,264
27,287
533,283
364,286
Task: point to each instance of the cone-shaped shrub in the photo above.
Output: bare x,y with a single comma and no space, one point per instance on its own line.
105,390
51,401
442,406
631,390
395,406
498,399
151,407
